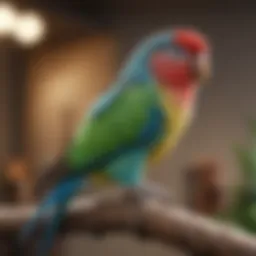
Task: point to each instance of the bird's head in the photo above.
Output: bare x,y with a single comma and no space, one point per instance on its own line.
178,61
181,62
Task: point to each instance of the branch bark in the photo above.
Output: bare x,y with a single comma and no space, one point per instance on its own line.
151,218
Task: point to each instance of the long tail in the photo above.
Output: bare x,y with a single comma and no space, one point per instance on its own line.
56,202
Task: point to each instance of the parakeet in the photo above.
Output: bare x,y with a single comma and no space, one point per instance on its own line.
140,118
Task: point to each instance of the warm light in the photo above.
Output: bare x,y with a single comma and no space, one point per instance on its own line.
30,29
7,19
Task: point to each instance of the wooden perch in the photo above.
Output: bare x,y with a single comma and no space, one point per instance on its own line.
155,219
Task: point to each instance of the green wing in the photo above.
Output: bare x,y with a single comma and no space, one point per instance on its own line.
112,130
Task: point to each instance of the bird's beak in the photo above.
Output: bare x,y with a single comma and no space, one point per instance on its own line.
203,67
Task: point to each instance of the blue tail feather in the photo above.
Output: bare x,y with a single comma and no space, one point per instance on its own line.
29,227
58,200
47,242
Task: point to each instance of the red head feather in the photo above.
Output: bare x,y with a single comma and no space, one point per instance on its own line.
178,74
191,40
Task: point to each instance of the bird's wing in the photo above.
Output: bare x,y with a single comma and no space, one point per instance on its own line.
134,119
105,101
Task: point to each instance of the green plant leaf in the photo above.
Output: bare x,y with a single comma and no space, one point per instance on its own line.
244,160
252,127
242,212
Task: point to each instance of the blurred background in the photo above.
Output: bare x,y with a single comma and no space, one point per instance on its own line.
62,54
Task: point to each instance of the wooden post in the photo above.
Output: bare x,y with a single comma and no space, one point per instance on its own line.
203,191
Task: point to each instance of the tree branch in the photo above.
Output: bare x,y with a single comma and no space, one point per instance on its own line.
151,218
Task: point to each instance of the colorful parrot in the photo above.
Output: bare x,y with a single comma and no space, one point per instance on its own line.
134,124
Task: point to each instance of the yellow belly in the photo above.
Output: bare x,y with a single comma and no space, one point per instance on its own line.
178,119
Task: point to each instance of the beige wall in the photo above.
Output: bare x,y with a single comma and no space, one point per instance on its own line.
63,82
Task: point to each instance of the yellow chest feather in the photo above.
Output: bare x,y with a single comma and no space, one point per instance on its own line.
178,119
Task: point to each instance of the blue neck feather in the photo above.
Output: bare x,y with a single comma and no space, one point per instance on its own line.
136,68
